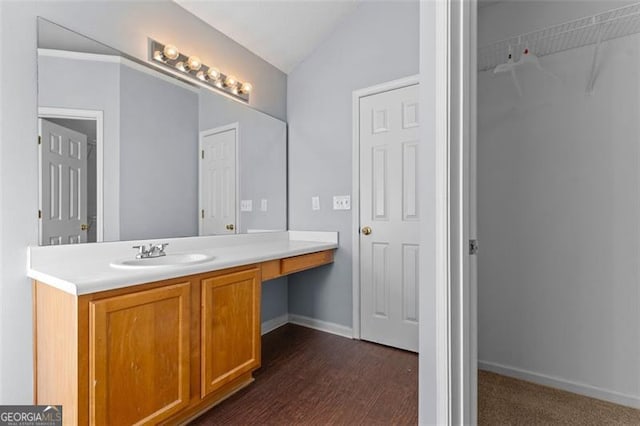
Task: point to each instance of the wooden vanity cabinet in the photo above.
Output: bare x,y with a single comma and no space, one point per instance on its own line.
139,355
156,353
230,328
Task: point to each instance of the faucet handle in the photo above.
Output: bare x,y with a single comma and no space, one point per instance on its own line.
160,248
142,251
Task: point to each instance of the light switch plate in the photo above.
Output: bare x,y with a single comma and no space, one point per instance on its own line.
263,205
342,202
315,203
246,205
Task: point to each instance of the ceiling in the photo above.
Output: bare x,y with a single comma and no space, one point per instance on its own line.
282,32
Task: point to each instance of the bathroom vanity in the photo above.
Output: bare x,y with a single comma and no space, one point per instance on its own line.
132,343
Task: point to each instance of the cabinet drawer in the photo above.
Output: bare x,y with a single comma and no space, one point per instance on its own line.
271,270
305,261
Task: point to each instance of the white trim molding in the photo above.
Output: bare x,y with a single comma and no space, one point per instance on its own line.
98,117
308,322
447,351
455,224
316,324
274,323
355,192
147,68
563,384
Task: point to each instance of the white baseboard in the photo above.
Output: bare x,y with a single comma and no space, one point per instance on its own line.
316,324
559,383
274,323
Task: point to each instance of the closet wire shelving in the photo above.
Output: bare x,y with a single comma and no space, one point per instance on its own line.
581,32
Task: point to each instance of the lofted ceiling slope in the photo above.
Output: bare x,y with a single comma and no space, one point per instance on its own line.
282,32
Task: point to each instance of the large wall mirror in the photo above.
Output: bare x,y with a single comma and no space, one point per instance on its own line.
128,152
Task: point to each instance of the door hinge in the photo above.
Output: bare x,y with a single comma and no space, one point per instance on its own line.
202,154
39,214
39,140
202,213
473,247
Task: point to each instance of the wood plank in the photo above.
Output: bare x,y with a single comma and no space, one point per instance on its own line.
290,265
270,270
55,354
83,360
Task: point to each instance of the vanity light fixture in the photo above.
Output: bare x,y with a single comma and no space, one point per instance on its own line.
168,56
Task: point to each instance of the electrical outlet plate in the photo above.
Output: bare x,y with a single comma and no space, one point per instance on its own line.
315,203
246,205
342,202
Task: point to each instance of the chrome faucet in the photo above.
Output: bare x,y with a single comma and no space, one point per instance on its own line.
154,250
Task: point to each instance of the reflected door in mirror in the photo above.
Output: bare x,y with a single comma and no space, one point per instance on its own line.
218,181
63,185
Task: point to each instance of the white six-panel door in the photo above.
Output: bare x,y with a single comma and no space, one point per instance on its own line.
218,182
63,185
389,218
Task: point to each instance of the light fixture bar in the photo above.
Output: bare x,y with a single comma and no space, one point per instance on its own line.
168,56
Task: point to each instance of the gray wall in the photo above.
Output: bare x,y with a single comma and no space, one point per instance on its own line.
158,157
124,25
275,299
71,83
558,209
378,42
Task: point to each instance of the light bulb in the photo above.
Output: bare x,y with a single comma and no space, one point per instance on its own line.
246,87
181,67
213,73
201,75
219,84
230,81
171,52
158,56
194,63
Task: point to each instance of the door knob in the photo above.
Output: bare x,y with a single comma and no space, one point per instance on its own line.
84,227
366,230
230,227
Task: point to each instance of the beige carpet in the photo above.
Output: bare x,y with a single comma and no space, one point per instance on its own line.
506,401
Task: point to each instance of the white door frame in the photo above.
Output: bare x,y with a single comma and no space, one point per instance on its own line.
355,192
98,117
448,353
232,126
455,138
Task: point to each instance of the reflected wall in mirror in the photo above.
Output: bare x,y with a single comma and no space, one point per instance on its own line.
128,152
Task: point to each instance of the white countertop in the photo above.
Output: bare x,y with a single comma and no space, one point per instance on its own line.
85,268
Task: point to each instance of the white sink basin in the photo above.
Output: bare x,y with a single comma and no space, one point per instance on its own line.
178,259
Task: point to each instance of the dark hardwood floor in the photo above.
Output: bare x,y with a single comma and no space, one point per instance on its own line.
311,377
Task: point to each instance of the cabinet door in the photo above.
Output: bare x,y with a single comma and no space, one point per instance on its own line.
230,328
139,356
